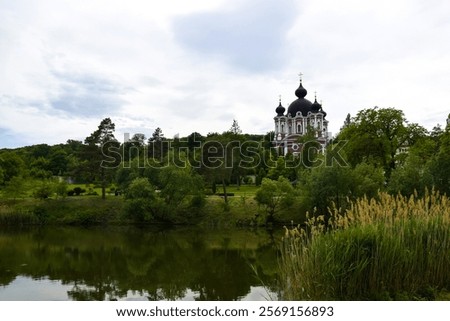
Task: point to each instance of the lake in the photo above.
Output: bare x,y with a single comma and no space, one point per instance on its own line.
130,263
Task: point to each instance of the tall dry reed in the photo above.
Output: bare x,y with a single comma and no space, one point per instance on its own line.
389,247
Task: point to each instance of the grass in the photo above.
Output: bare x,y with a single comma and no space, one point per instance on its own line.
243,190
242,209
389,248
76,210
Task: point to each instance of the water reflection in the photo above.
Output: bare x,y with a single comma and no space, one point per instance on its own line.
131,263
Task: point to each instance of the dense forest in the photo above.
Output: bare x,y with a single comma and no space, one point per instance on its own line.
162,179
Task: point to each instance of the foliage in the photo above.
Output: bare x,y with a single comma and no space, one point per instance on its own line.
61,189
151,263
12,165
376,134
101,152
412,176
274,195
141,200
440,164
44,190
384,248
235,129
325,185
15,188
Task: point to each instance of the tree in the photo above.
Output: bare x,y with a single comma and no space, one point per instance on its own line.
133,147
368,180
284,167
412,176
194,140
181,189
2,177
325,184
40,168
44,190
157,147
15,188
12,165
440,163
141,200
61,189
347,121
274,195
217,157
100,147
235,129
376,134
58,161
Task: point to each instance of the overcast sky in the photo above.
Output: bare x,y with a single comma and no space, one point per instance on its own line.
196,65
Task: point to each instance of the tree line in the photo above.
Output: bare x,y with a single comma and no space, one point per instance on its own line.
377,149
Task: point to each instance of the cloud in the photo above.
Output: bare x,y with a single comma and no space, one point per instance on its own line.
195,65
9,139
249,37
87,95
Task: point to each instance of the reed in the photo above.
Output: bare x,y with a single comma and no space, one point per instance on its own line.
388,247
11,217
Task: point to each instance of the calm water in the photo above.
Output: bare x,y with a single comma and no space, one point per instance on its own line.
137,264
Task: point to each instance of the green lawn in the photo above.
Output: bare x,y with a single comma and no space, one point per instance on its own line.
243,190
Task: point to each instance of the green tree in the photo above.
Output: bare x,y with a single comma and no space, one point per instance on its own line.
217,160
368,180
40,168
284,167
15,188
375,135
101,151
12,165
413,175
235,129
141,201
2,177
58,161
134,147
157,145
325,184
61,189
274,195
44,190
440,164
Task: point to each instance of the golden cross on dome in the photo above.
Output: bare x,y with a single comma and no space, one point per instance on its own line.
300,75
279,97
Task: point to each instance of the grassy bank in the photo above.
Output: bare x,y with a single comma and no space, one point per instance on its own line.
83,210
242,210
390,248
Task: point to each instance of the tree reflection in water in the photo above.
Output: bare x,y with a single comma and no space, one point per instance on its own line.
154,264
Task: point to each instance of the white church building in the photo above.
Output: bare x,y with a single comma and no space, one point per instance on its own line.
302,117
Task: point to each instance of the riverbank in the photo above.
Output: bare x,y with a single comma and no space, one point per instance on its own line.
241,210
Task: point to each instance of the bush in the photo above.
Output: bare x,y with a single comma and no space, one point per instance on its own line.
138,210
78,191
44,191
41,214
140,200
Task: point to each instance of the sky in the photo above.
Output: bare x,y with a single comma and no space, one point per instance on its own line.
196,65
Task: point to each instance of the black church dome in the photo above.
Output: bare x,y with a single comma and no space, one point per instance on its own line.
301,104
315,107
280,110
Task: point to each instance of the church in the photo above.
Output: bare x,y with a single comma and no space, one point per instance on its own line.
302,117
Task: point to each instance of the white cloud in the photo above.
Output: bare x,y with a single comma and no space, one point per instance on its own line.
64,65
